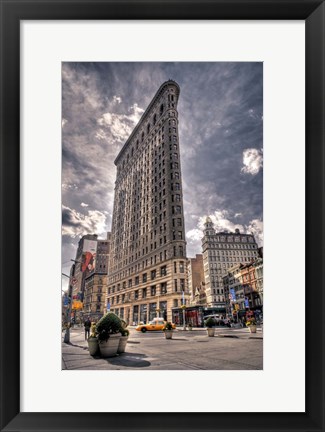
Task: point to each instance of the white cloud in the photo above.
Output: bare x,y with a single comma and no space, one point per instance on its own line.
75,224
194,235
221,222
118,126
136,113
117,99
66,186
84,204
64,122
252,161
255,227
256,116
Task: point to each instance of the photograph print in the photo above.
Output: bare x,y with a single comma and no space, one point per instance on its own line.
162,216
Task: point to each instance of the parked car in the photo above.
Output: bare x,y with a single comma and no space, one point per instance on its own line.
154,325
218,321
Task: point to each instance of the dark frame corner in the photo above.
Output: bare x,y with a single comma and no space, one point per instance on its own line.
12,12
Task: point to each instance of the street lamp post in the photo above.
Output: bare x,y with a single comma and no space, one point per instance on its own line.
158,308
184,323
183,307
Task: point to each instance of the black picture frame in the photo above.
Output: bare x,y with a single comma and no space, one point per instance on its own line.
12,12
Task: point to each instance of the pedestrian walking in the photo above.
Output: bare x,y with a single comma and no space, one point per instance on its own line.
87,326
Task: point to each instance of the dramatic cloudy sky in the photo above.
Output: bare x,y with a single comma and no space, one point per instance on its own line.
221,143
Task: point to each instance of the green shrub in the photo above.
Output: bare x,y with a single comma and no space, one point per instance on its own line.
123,324
168,326
251,322
210,322
109,324
125,332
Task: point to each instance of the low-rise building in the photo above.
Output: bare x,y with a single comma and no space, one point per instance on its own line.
95,296
243,288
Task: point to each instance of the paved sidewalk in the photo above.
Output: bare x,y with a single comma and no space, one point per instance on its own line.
232,349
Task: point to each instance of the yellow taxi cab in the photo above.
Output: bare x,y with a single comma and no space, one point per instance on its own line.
155,324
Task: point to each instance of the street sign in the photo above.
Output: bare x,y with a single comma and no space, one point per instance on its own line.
232,294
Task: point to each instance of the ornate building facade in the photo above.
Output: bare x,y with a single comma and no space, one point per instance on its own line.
222,251
147,267
95,296
243,288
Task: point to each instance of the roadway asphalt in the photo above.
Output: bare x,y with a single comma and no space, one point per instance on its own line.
230,349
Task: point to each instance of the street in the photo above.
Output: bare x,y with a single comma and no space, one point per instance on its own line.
230,349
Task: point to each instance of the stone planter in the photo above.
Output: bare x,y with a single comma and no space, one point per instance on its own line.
252,328
122,344
210,332
92,346
168,334
109,348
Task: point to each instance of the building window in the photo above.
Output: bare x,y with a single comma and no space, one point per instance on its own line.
182,284
163,288
153,290
181,267
163,271
130,283
137,280
144,277
161,109
175,285
144,292
153,274
136,295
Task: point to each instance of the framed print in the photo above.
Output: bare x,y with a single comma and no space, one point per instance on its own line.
77,74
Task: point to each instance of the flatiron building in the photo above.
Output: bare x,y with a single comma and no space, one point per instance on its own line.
147,266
